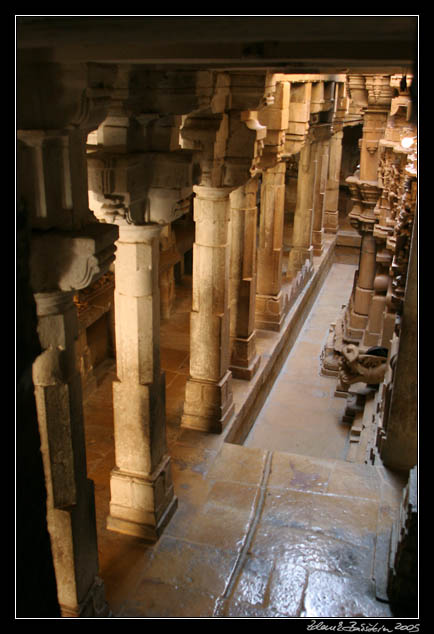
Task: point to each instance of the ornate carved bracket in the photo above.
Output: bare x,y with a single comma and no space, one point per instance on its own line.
70,261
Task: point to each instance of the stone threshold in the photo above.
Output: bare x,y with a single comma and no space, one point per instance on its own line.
274,347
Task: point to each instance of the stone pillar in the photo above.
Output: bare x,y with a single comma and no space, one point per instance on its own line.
302,249
364,289
70,495
319,197
270,300
374,326
242,289
331,205
142,497
377,94
169,256
208,396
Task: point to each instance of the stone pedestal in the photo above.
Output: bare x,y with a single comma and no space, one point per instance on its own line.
70,495
142,497
208,397
302,249
270,301
242,289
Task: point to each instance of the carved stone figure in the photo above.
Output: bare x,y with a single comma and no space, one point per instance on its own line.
357,367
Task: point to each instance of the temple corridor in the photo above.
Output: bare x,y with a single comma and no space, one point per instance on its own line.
217,317
281,526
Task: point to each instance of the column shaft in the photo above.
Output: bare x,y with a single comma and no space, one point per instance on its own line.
302,249
270,301
208,398
142,497
70,495
242,290
331,205
319,197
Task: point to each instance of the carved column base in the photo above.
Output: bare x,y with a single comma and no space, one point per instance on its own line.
355,325
142,505
297,260
332,351
208,406
373,331
93,605
388,329
318,242
271,311
245,361
331,221
362,300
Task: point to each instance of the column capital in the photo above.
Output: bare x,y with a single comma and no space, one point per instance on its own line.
134,233
212,193
62,95
70,261
53,303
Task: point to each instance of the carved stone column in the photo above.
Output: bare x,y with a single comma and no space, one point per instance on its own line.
376,97
319,196
302,249
208,397
331,205
242,289
60,264
142,497
226,139
270,301
377,307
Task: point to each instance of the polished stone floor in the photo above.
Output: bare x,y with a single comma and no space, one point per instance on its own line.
280,527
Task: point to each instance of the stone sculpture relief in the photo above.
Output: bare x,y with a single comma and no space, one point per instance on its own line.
357,367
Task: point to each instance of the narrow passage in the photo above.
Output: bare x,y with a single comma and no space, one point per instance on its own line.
301,414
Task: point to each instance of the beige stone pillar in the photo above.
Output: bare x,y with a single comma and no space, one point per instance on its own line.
302,249
270,300
319,197
208,396
142,497
365,281
331,205
377,92
242,288
374,326
70,495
